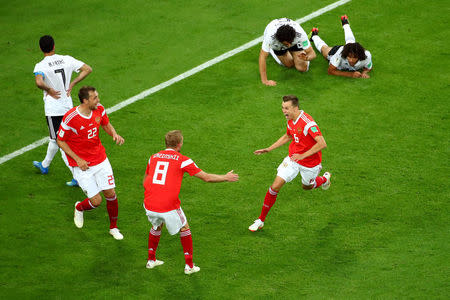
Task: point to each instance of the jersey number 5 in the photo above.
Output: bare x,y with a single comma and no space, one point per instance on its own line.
160,171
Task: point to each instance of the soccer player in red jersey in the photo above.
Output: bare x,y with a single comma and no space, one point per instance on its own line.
304,157
78,138
162,183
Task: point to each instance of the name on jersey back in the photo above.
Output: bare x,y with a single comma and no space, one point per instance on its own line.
166,156
56,63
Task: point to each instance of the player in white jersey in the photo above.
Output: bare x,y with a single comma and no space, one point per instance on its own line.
53,75
288,44
350,60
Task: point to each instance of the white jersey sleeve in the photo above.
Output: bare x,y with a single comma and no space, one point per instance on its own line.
56,71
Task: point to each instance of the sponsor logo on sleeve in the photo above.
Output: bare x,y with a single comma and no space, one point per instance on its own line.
314,129
305,43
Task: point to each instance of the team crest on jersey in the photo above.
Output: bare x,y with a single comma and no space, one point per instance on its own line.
97,120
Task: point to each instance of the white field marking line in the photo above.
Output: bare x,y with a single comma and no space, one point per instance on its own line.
180,77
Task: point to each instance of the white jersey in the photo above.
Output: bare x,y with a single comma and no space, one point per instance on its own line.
57,73
342,63
269,41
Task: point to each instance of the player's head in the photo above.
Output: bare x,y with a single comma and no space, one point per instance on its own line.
353,52
174,139
290,107
88,96
46,43
286,34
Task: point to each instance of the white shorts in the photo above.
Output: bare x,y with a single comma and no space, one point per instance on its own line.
95,179
289,169
174,219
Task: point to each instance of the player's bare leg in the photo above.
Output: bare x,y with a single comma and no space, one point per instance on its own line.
300,64
112,206
319,43
153,241
287,59
269,201
186,242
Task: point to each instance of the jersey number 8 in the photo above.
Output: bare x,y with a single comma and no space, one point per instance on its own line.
160,169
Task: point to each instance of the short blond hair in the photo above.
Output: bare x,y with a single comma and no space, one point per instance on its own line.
173,138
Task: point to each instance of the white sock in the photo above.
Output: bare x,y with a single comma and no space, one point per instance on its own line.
318,42
349,37
51,151
275,57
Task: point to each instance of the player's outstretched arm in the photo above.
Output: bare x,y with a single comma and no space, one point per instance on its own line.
41,84
85,71
281,141
84,165
109,129
263,68
207,177
332,70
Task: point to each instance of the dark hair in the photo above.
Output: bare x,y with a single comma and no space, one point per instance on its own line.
173,138
83,94
291,98
285,33
354,49
46,43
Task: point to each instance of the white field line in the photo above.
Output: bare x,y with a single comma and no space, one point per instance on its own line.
182,76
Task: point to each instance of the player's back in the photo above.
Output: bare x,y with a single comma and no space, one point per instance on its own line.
56,71
164,172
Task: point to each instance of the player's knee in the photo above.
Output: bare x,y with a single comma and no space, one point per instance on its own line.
302,67
185,227
109,193
307,187
96,200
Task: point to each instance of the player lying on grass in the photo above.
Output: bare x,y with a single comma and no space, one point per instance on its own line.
288,44
350,60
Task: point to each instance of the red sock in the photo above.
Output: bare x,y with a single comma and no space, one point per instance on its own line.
319,181
153,241
85,205
186,242
269,201
113,211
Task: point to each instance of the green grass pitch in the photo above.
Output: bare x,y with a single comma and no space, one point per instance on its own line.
380,232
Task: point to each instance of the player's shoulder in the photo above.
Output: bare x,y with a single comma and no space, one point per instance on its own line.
70,115
306,118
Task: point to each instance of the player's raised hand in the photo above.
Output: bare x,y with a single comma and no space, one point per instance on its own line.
118,139
270,82
54,94
261,151
231,176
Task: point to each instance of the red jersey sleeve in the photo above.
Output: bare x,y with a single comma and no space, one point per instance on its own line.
64,131
314,130
189,166
147,170
105,118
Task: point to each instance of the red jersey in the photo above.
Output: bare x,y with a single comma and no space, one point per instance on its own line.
81,134
165,171
303,131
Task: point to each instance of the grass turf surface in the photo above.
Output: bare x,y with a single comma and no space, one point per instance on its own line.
382,229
